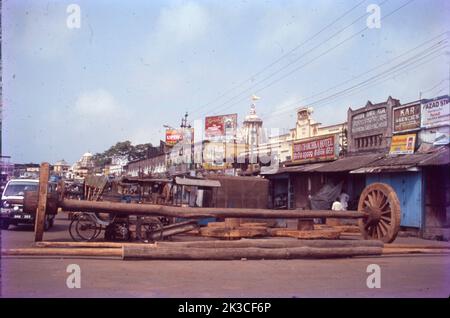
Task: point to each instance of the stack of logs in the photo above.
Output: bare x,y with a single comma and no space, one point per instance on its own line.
234,228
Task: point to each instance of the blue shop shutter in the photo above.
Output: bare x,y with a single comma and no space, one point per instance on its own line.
408,186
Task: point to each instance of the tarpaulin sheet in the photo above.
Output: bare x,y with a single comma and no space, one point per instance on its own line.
325,197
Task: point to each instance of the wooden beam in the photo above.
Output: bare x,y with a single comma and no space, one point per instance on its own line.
44,172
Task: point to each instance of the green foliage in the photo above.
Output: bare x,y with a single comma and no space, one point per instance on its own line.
122,149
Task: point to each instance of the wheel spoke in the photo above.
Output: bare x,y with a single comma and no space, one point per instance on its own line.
386,212
378,198
369,196
383,229
385,219
385,203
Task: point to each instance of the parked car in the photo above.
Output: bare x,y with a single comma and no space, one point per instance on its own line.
11,212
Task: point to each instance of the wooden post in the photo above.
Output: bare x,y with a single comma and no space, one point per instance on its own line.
42,202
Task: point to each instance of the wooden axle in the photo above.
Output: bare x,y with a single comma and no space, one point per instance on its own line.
183,212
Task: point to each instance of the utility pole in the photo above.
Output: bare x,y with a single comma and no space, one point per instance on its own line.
184,121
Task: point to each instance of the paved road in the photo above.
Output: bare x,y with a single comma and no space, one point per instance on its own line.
406,276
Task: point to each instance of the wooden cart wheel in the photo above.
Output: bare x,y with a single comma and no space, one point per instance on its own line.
381,203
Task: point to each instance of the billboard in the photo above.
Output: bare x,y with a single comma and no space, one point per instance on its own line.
219,126
173,136
318,149
436,112
407,118
403,144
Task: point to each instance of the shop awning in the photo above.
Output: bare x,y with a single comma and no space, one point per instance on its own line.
413,162
349,163
311,167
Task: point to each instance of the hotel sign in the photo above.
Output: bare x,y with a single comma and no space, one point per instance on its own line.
318,149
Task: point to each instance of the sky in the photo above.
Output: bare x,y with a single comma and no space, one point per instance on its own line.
133,66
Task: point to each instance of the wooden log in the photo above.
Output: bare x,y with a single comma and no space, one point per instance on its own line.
273,243
70,205
420,246
131,252
315,234
400,251
44,172
88,244
117,252
174,230
261,243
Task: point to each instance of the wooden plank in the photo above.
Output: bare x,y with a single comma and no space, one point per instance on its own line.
225,232
44,172
315,234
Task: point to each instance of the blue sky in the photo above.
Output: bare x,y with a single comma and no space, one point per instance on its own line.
133,66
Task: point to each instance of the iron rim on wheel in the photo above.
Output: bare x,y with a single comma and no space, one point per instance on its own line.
382,206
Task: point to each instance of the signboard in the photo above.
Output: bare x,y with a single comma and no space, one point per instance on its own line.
173,136
403,144
407,118
436,113
370,120
319,149
219,126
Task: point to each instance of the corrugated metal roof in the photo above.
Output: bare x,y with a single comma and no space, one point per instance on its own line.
142,180
198,182
372,163
295,169
434,157
349,163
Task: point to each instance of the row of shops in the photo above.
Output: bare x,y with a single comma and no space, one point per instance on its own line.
405,146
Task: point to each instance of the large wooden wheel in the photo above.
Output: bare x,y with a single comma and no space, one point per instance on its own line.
382,206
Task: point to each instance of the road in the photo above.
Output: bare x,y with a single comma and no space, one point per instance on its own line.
401,276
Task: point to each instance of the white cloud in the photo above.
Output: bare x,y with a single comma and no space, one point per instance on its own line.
182,23
96,103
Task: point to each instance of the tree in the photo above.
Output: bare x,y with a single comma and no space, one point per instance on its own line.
124,150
